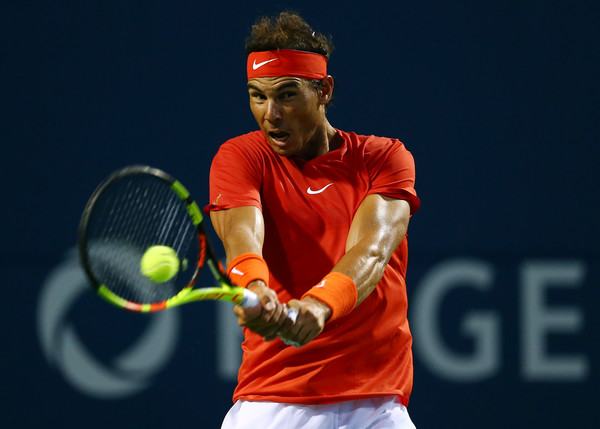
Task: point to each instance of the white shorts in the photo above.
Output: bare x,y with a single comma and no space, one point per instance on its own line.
371,413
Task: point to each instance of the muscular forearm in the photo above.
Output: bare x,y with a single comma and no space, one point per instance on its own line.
240,229
378,229
365,263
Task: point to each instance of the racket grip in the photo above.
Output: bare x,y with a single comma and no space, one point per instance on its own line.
251,300
292,314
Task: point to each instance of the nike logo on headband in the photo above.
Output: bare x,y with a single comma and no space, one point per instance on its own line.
318,191
259,65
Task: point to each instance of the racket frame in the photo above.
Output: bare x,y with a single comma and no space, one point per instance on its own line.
225,291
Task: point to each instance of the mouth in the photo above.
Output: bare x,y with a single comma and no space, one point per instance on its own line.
280,138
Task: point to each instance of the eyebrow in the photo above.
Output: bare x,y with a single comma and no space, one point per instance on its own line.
279,88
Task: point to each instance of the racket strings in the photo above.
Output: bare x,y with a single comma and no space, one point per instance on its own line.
130,215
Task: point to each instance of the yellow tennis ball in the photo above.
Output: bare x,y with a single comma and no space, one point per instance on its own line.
159,263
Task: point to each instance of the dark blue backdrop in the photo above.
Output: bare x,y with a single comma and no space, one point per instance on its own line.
498,102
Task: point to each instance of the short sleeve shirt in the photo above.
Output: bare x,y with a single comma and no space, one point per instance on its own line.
308,207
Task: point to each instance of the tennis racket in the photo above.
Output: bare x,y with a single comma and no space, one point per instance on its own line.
133,209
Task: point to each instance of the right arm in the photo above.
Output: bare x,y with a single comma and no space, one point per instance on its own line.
242,230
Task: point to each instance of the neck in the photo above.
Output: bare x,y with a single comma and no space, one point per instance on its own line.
324,140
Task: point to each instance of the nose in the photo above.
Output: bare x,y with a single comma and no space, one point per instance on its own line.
273,111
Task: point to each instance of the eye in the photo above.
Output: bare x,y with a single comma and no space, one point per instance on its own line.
257,96
287,94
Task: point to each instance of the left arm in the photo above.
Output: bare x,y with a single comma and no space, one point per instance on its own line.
378,228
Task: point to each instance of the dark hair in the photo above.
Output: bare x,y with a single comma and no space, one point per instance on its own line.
287,31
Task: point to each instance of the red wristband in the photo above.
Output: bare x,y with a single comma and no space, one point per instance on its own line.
338,292
246,268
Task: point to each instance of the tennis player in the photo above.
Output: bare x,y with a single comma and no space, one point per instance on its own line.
314,218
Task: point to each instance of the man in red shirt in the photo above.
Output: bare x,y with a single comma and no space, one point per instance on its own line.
314,218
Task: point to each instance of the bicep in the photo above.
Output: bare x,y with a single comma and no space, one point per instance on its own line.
241,230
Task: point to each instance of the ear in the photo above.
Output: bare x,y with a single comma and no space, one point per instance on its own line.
326,90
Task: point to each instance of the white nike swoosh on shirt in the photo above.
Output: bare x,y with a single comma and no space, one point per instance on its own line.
318,191
259,65
236,271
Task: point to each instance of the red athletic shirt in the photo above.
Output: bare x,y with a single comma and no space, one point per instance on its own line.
308,207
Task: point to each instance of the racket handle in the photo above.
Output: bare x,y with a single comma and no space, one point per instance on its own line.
251,300
292,314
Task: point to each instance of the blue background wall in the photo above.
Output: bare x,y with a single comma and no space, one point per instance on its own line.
498,102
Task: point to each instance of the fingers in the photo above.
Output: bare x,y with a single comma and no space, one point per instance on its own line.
310,322
270,319
265,319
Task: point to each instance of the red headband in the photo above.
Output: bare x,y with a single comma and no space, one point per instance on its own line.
286,62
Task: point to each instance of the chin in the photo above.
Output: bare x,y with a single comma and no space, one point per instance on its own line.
286,150
281,151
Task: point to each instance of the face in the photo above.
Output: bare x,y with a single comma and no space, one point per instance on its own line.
291,113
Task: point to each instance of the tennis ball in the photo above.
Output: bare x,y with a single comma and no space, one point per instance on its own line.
159,263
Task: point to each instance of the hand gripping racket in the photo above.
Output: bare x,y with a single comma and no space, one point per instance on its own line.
133,209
